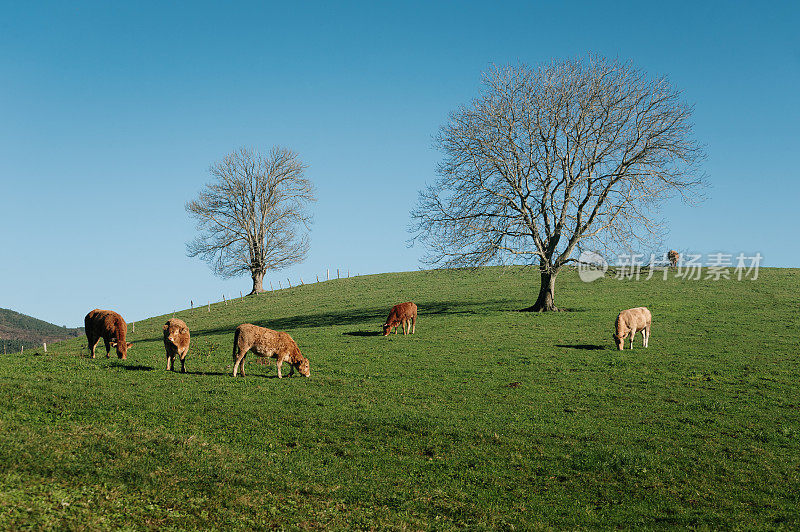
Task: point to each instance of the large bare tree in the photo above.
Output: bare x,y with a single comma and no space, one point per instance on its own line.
253,216
551,160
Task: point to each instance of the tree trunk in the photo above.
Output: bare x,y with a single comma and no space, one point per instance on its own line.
258,280
547,294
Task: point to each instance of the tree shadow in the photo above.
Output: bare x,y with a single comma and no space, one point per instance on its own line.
216,373
589,347
357,316
362,333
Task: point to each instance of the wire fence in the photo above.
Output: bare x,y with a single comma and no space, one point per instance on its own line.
274,286
14,346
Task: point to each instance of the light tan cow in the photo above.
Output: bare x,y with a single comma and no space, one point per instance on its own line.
405,314
267,343
631,321
176,342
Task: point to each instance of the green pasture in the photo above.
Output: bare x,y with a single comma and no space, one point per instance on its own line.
486,418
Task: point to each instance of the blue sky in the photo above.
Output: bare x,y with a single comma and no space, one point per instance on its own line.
112,112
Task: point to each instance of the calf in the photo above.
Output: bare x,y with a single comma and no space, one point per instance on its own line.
405,314
109,326
267,343
631,321
176,342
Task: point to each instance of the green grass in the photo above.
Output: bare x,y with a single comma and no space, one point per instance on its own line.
486,418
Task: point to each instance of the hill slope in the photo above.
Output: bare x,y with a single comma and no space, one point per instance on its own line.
17,330
485,418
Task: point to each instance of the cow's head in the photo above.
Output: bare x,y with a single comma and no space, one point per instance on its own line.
304,368
386,329
619,340
174,334
122,348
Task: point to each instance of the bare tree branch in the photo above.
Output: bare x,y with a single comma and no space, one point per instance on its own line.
553,159
252,217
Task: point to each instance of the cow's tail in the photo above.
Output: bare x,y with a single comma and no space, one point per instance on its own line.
235,343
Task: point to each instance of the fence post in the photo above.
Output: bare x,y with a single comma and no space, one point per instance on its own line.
21,349
45,347
327,274
348,273
289,281
224,300
301,280
317,277
209,306
240,295
280,286
337,273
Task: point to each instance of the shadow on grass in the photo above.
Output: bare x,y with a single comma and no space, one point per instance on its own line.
362,333
360,316
228,374
558,310
588,347
128,367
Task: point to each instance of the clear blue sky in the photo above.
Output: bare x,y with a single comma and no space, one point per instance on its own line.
111,113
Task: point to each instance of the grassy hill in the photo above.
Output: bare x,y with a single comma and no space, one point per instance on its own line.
486,418
17,330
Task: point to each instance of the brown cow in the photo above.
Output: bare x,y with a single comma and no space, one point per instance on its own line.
673,257
267,343
109,326
176,342
405,314
631,321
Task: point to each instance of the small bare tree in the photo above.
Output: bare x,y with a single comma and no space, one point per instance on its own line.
253,215
551,160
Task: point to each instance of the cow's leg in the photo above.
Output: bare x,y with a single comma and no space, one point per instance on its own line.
169,362
647,336
92,344
633,335
405,327
108,347
413,324
238,360
279,363
183,362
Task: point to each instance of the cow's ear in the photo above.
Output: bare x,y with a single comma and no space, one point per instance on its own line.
185,330
129,345
166,326
112,343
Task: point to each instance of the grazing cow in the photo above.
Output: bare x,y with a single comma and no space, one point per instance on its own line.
673,257
631,321
267,343
405,314
109,326
176,342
